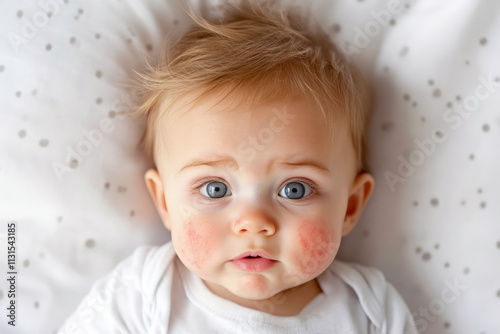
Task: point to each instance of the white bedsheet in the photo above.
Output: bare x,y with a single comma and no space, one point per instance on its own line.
71,176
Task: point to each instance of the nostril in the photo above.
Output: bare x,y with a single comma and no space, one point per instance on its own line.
252,229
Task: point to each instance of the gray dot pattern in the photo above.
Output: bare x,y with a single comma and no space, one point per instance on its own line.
90,243
434,211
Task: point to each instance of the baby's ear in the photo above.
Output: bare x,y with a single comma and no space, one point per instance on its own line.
155,187
361,190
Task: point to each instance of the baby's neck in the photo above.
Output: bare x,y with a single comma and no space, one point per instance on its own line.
291,301
286,303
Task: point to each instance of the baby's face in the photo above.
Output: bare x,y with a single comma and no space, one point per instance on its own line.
265,183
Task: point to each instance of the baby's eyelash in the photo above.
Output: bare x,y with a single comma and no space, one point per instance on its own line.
312,186
205,181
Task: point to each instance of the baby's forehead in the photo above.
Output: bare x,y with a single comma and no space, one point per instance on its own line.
274,128
242,113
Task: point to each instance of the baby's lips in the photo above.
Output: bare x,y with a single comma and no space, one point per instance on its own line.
253,261
254,253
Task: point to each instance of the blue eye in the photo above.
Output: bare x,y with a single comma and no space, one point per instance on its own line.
295,190
215,189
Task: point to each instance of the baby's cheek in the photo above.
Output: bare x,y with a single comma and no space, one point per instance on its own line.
318,247
196,243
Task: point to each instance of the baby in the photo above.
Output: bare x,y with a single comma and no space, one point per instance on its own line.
255,128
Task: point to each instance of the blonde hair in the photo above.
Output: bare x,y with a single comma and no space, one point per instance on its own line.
261,53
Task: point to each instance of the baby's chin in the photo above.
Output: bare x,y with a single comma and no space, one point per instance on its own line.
258,287
255,295
251,287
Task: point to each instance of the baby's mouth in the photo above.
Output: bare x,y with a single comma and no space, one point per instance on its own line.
253,262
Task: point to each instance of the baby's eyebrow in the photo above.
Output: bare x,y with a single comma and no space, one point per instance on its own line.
228,161
305,163
215,163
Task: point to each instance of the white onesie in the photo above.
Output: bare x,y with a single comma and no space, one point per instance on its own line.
153,292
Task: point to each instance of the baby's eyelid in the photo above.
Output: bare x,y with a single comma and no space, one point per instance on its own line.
207,181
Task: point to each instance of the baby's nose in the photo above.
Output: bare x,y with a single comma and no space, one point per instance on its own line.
255,224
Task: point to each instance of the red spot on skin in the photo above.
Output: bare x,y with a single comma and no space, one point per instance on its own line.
318,247
197,243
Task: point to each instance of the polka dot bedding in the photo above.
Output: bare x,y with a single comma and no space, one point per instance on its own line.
72,193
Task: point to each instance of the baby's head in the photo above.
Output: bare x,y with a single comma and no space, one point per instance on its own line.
256,132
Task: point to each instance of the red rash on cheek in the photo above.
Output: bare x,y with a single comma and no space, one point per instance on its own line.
197,243
317,246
